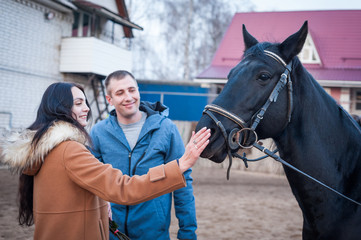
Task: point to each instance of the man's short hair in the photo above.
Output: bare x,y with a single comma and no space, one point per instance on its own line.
117,75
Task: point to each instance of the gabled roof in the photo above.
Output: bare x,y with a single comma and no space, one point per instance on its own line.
336,35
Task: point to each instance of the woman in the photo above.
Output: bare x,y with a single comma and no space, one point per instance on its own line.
63,189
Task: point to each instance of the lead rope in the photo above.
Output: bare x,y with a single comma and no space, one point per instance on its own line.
279,159
270,154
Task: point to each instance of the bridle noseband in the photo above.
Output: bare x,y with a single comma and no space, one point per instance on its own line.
284,79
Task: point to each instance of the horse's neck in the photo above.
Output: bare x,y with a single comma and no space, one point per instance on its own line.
321,141
319,130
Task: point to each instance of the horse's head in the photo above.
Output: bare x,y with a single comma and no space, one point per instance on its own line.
250,95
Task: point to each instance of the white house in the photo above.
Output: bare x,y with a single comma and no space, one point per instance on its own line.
45,41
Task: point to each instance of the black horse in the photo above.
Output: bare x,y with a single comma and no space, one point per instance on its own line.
269,94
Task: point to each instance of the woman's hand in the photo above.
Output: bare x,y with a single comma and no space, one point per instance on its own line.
194,148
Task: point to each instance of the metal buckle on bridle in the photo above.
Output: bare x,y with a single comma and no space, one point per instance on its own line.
246,144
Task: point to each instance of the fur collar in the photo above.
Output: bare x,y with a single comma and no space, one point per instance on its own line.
18,154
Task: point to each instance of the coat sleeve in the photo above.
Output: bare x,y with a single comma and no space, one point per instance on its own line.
184,202
112,185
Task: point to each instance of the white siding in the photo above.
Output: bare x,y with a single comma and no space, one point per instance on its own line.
85,55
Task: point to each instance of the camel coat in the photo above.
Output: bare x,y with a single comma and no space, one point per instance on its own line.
71,187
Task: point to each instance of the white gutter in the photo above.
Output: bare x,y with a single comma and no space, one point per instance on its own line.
211,80
339,83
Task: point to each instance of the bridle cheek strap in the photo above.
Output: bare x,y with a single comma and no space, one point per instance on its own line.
224,133
284,79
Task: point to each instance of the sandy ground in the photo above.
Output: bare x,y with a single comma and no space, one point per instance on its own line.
248,206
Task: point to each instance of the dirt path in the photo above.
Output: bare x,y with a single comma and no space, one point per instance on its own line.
249,206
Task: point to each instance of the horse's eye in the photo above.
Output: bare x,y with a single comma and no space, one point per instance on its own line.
264,76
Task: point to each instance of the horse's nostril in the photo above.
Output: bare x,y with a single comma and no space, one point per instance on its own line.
213,132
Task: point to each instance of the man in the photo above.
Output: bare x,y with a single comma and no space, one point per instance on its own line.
138,136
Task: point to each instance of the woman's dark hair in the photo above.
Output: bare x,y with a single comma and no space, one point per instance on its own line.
56,105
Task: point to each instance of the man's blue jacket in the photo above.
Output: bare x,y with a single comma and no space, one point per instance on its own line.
159,142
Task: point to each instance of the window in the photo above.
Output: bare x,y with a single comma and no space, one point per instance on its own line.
309,53
355,103
358,100
84,25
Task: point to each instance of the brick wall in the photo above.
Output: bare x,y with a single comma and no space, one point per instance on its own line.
29,57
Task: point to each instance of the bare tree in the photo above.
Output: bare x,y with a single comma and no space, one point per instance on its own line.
186,63
180,37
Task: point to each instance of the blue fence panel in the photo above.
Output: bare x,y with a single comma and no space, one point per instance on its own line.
150,97
185,103
185,108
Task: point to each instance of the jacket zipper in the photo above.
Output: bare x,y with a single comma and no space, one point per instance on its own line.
130,175
141,157
127,207
135,166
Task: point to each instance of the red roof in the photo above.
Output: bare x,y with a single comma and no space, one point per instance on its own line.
336,35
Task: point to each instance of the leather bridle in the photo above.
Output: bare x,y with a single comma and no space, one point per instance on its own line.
232,143
235,133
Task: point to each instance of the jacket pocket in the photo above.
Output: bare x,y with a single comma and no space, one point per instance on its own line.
162,212
101,230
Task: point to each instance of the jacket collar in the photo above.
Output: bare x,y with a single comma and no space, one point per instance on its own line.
156,113
150,109
19,155
154,108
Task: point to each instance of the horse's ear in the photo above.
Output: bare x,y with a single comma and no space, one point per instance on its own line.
248,39
294,43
